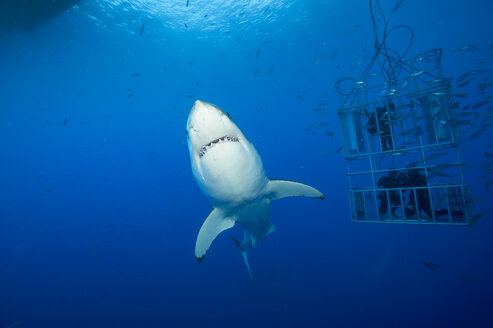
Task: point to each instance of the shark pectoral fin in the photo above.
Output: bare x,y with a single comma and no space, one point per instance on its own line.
284,188
215,223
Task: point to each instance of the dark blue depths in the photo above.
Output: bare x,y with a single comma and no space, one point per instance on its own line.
99,210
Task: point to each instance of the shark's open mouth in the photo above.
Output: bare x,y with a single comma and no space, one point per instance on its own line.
214,142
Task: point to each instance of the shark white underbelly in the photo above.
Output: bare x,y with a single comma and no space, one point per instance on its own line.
229,171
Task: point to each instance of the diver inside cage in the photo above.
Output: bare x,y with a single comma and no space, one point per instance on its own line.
415,179
385,116
393,180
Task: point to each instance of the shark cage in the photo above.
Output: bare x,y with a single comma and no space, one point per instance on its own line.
400,141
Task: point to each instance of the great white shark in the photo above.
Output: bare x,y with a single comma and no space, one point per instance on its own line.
229,171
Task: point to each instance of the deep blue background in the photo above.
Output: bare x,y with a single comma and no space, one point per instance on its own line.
98,217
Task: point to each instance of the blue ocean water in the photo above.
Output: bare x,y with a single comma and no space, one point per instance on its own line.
99,210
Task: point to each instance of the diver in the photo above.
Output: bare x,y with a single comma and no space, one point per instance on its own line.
383,128
416,179
393,180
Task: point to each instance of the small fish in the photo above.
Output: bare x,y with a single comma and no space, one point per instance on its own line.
257,54
437,206
419,132
319,60
359,63
479,132
466,83
186,26
481,103
318,109
455,105
439,174
238,39
65,121
436,155
481,62
142,29
48,190
256,72
227,32
458,123
441,167
465,114
190,63
481,71
487,185
467,278
419,73
135,74
351,29
271,69
432,266
412,164
130,95
483,86
46,230
475,219
470,47
425,59
186,5
464,76
361,52
489,155
335,52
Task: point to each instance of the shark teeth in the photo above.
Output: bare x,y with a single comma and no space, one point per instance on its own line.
205,148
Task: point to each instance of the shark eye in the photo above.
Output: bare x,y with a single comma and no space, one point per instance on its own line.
186,131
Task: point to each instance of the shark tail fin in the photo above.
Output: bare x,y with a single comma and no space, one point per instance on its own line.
283,188
243,254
